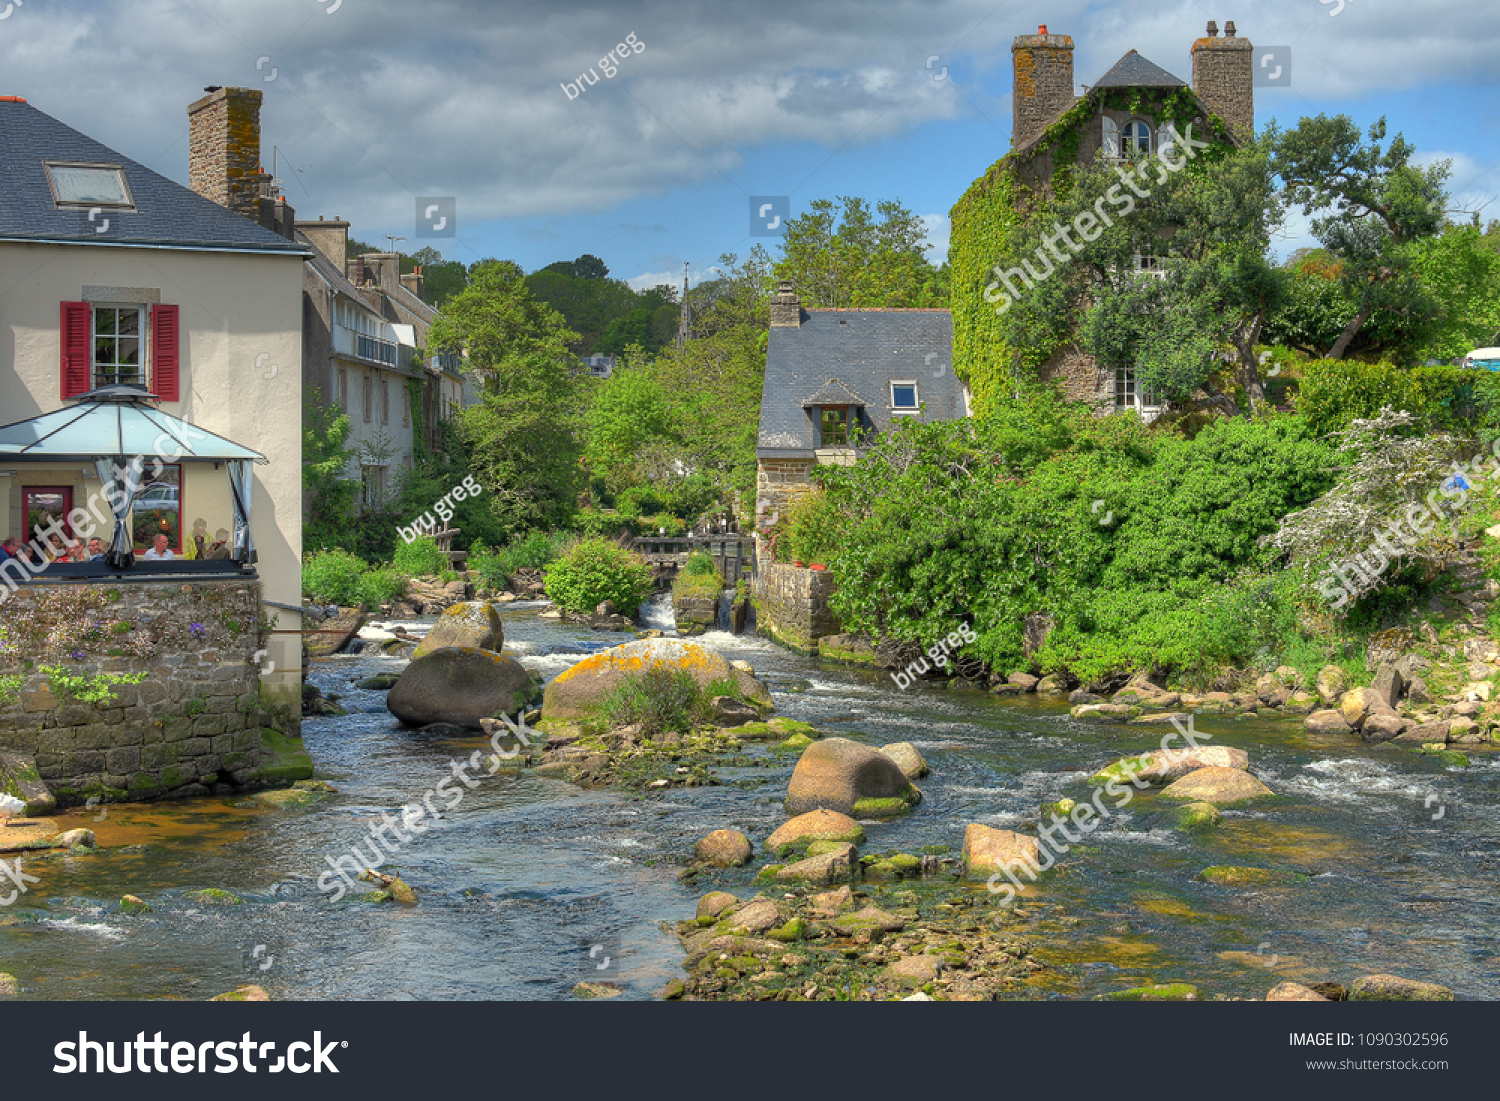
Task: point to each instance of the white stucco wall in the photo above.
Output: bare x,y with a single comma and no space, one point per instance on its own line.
241,321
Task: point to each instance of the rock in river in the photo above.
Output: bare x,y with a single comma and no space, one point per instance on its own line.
575,692
724,849
816,825
474,623
1220,786
842,775
460,685
988,851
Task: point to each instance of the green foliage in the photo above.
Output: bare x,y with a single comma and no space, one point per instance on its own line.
535,551
420,558
699,577
329,492
594,570
662,701
811,529
9,688
382,584
86,688
837,255
333,577
1333,393
607,314
1127,546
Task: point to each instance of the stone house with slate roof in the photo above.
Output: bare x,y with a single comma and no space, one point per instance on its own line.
836,379
1120,116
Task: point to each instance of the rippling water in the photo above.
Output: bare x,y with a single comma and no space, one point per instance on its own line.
532,885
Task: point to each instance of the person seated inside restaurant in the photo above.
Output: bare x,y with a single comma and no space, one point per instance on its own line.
11,548
56,552
220,546
159,551
96,550
76,552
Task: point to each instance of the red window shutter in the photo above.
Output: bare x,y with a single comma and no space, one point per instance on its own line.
164,352
77,362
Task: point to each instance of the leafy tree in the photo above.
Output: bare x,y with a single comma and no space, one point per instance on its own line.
1371,206
1460,269
837,255
630,413
594,570
525,439
329,492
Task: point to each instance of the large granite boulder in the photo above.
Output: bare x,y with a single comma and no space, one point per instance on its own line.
460,685
575,692
817,825
474,623
988,852
854,779
1222,787
1165,765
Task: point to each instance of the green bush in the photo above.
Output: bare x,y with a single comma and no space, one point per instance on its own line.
699,577
701,563
594,570
382,584
421,558
536,551
661,700
1331,393
334,577
812,523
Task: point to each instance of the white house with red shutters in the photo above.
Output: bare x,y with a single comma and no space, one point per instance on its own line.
141,320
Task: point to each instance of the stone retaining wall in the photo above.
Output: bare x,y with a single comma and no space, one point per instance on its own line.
792,605
190,728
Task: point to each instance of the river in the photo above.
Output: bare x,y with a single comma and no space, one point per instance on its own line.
533,885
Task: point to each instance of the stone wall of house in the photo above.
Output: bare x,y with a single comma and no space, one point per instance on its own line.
777,481
1080,377
791,605
191,727
1224,79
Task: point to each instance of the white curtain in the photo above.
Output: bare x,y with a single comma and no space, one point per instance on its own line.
127,480
1111,139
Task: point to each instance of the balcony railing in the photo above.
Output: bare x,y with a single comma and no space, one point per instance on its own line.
381,351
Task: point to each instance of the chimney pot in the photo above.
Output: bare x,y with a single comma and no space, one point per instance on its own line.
1042,29
1229,29
1213,29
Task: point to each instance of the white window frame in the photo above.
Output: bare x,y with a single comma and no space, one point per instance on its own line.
1125,386
86,204
916,406
143,365
1130,143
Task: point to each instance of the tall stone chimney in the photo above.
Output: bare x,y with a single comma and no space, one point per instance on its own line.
786,307
1224,77
412,281
1043,87
329,238
224,149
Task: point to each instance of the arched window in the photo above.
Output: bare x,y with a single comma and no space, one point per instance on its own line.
1111,139
1137,141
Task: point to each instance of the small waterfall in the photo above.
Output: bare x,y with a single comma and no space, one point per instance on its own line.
658,613
726,611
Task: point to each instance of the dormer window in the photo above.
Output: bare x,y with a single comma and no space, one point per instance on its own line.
904,397
1136,139
834,426
77,184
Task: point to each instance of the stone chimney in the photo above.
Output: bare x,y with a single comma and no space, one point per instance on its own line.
224,149
329,238
412,281
1043,87
786,307
1224,77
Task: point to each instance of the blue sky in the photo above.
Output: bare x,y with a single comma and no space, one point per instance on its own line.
374,103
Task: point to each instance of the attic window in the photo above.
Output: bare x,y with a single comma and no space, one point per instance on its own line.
904,396
77,184
1136,139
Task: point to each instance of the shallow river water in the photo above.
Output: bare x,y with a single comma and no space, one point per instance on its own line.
533,885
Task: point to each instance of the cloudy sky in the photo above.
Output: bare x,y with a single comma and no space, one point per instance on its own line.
373,104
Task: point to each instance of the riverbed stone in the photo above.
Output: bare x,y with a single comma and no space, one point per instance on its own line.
1052,682
20,779
816,825
715,903
988,851
460,685
1327,722
1162,766
576,692
830,867
755,917
1105,712
908,759
1294,992
1024,681
474,623
915,970
851,778
1222,787
250,993
1393,988
724,849
1382,726
730,712
334,633
1388,684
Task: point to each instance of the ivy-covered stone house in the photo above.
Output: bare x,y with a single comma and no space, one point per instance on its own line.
1131,110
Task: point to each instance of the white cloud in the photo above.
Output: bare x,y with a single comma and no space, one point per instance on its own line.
938,228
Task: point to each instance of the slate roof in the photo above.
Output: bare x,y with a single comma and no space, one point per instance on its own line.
1134,71
854,352
166,213
834,392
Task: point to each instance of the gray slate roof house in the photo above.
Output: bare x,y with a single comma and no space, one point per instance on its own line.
836,377
41,200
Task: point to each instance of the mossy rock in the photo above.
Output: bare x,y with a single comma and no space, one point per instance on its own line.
1197,816
818,848
795,929
213,896
283,758
1059,809
894,866
130,904
795,744
243,994
589,991
1166,992
1451,758
777,729
285,798
885,808
768,873
1120,771
1228,875
380,682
